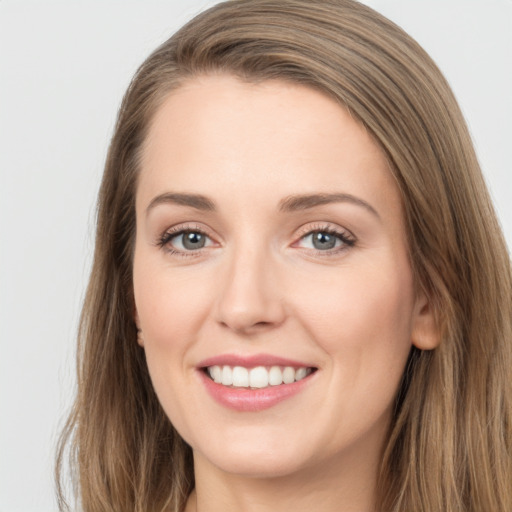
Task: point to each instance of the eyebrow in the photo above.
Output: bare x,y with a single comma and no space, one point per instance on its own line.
291,203
306,201
197,201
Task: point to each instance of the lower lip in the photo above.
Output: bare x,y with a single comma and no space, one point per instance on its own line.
252,400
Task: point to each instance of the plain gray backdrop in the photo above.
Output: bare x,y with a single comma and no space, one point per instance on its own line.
64,67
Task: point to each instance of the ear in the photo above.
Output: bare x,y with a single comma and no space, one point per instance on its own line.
140,339
425,333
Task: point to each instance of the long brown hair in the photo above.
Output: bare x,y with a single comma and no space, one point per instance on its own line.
450,444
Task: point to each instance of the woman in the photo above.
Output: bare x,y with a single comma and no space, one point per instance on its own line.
300,295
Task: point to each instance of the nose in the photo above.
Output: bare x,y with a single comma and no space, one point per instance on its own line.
251,298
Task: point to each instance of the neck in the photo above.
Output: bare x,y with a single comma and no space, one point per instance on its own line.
346,482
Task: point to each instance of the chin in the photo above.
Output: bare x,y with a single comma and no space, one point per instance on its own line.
254,458
256,465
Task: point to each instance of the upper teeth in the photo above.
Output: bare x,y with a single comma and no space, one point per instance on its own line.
259,377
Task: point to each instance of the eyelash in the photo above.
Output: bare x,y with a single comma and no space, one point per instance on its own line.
347,239
167,236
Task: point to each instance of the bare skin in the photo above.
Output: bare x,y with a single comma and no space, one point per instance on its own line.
246,270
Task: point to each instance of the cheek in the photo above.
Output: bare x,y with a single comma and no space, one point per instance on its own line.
168,308
169,305
362,322
362,317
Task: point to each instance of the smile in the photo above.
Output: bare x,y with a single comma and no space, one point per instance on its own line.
257,378
254,383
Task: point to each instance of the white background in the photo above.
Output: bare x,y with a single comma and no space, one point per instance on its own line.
64,67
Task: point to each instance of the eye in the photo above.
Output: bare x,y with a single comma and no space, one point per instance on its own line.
184,240
189,240
326,240
323,241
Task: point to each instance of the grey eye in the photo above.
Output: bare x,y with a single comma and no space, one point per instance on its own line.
323,241
192,240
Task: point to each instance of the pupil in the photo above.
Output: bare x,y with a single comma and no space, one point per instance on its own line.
323,241
193,240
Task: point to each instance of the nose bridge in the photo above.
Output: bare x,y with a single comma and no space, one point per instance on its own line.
250,295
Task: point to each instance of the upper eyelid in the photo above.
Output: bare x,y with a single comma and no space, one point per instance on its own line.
183,228
325,226
302,231
345,235
171,233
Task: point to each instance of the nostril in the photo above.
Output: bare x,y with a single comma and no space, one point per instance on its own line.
246,327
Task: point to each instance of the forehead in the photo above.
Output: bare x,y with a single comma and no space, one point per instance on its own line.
218,134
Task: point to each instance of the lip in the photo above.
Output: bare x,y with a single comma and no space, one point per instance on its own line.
251,361
251,400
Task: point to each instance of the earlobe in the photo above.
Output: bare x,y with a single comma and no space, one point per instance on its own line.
140,339
425,333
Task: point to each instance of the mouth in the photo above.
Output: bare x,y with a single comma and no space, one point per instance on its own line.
258,377
252,383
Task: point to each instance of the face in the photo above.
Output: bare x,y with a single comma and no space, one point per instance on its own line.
272,283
